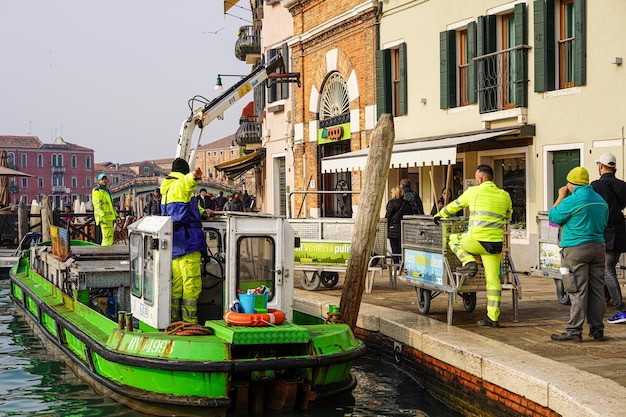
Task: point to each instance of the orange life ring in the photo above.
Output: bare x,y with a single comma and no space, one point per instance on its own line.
255,320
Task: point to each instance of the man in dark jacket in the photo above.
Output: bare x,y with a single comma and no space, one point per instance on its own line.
206,200
153,206
414,200
613,191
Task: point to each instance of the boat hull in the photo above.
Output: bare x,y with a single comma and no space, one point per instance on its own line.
235,368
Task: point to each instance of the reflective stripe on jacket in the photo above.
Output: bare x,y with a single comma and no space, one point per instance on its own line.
103,210
179,202
490,209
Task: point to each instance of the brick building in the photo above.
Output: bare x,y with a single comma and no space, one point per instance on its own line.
61,170
333,47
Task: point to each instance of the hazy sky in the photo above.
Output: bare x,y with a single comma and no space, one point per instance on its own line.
115,75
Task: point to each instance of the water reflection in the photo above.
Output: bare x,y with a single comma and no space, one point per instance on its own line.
35,383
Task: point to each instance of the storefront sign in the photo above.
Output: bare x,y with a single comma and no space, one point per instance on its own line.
333,133
424,266
322,252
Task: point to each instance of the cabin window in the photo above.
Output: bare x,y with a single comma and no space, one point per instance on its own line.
142,269
256,260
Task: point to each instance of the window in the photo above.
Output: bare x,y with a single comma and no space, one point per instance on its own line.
60,160
40,182
457,85
24,160
88,182
24,182
278,91
74,182
88,162
11,159
40,161
560,44
391,81
502,73
74,161
221,153
232,152
54,160
255,263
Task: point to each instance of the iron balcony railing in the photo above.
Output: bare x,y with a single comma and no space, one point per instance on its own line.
14,189
503,79
249,131
249,43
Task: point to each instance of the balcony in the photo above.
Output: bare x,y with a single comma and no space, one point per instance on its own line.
249,131
248,46
58,188
503,79
14,189
58,169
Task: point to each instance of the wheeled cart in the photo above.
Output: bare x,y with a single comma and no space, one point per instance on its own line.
549,255
430,266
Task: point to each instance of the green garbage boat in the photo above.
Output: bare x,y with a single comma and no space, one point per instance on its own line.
107,310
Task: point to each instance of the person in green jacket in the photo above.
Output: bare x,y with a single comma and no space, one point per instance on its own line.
490,208
583,214
104,212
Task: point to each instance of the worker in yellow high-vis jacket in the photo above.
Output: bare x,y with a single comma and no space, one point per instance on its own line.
104,212
490,209
188,242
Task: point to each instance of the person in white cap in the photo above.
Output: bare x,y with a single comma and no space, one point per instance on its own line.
613,191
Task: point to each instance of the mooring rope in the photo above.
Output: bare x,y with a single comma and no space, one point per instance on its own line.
181,328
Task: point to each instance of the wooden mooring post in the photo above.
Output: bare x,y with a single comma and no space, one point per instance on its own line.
374,183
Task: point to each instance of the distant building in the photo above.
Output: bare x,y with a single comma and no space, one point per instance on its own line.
61,170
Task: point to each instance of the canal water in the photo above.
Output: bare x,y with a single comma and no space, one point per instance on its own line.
35,383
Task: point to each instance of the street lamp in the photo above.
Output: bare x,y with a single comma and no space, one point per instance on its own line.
218,83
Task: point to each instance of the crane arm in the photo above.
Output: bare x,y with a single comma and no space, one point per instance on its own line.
202,116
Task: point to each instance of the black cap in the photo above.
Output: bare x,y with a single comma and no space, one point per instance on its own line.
180,165
203,189
157,191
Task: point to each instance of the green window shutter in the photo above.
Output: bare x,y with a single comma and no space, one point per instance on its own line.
580,44
447,69
544,45
284,88
402,84
383,82
471,70
521,62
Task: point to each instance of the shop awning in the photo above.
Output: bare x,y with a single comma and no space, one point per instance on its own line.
236,167
411,153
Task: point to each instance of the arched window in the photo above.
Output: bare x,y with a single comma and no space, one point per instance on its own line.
54,160
60,160
11,159
334,100
24,160
40,161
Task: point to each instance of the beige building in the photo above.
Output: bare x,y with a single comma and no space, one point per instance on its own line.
532,88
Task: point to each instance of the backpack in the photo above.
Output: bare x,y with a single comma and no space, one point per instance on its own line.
411,197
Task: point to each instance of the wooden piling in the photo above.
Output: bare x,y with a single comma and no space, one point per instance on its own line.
372,193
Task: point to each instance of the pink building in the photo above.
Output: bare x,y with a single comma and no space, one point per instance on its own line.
61,170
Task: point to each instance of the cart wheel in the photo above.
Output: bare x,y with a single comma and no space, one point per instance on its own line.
330,279
561,295
312,282
423,300
469,301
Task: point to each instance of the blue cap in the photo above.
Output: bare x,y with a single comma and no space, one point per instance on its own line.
103,175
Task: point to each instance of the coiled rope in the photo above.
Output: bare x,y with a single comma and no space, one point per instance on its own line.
181,328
